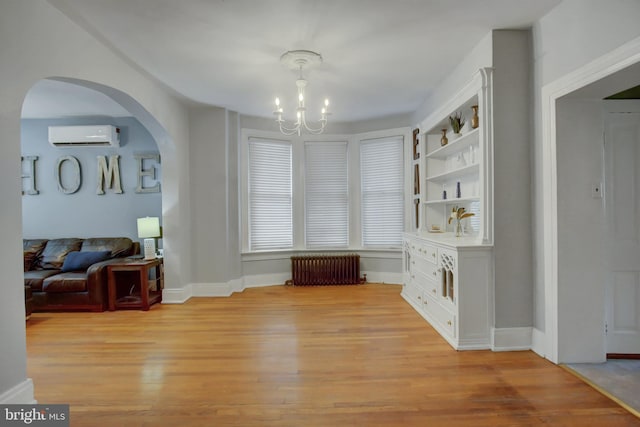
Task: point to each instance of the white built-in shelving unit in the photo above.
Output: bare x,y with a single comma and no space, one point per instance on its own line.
449,279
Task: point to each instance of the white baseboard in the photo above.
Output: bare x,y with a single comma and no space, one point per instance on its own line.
177,296
381,277
261,280
511,339
236,285
212,289
538,341
21,393
480,343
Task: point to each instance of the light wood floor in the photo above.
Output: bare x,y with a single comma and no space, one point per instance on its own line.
285,356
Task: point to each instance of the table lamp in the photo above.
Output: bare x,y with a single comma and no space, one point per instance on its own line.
149,229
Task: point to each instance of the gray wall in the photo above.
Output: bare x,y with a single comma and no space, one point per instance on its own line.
512,181
52,214
214,214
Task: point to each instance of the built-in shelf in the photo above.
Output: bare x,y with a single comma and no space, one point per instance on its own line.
455,146
451,201
449,279
456,173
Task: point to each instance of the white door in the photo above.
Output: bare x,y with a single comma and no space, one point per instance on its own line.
622,210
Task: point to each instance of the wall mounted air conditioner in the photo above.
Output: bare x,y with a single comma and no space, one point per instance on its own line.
84,136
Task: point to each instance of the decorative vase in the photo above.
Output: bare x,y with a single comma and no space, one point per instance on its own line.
458,194
475,120
458,228
444,140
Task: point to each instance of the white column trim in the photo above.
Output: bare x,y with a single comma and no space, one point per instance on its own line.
538,340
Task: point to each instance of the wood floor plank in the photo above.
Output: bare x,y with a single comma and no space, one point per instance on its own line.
294,356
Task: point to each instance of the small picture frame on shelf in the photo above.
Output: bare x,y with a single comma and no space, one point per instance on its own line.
416,144
416,179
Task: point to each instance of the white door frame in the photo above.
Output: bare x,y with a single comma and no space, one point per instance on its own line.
618,59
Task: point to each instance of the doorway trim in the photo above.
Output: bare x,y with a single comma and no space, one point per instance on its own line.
626,55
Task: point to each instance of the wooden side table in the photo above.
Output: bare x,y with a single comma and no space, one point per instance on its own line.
122,294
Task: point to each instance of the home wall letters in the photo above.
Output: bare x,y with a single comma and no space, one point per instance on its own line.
107,174
29,175
110,173
77,175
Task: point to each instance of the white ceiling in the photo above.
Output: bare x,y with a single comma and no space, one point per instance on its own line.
381,57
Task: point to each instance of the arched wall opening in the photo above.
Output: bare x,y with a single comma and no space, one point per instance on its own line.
62,193
121,219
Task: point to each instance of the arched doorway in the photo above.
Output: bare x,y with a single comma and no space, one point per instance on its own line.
72,205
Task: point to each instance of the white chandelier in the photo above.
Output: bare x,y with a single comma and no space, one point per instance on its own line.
299,60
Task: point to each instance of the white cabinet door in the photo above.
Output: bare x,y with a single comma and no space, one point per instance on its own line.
622,169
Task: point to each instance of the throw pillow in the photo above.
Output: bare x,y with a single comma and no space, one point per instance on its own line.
80,261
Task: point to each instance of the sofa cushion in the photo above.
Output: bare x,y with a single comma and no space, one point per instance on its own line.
35,245
34,278
56,250
32,250
29,259
66,282
119,246
81,261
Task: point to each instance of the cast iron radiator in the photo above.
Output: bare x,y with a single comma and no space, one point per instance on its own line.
326,270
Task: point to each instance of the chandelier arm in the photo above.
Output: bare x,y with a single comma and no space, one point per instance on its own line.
289,131
315,131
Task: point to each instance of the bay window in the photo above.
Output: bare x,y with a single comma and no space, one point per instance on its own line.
323,192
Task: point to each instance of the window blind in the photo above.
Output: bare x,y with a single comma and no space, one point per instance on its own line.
270,195
382,179
326,195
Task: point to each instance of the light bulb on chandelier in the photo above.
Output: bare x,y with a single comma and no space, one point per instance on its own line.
301,59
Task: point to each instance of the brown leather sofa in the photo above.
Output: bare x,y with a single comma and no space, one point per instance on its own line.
62,274
28,302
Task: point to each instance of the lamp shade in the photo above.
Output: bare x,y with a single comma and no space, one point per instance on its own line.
148,227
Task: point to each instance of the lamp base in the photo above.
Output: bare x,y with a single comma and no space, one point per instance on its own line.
149,248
